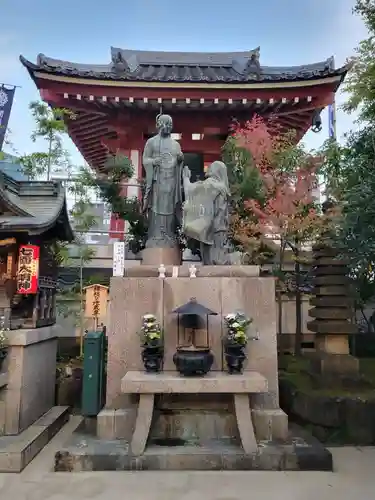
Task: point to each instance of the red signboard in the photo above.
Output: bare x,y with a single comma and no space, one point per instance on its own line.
28,269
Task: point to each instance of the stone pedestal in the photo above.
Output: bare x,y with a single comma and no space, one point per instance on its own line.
332,313
157,256
224,289
30,390
28,417
332,366
332,344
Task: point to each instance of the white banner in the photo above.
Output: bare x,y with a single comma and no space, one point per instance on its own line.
118,258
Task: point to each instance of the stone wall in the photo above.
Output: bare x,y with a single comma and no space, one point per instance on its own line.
332,419
29,389
130,298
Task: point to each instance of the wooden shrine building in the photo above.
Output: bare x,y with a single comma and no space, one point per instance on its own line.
116,103
33,216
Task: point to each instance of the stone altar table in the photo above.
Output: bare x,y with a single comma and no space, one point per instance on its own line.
148,385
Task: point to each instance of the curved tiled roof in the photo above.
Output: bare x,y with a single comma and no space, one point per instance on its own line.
36,206
209,67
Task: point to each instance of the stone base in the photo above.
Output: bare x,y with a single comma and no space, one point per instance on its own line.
30,390
17,451
116,424
185,424
183,271
327,364
157,256
84,453
270,424
332,344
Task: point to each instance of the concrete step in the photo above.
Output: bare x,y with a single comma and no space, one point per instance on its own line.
18,451
86,452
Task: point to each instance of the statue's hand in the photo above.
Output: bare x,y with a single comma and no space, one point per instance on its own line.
156,162
186,172
180,157
144,207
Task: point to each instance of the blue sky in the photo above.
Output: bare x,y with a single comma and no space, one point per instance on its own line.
288,32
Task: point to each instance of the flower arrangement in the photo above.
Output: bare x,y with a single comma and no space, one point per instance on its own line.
151,330
3,340
237,324
3,335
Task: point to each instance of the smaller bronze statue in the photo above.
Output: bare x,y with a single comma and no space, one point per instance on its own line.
206,213
162,202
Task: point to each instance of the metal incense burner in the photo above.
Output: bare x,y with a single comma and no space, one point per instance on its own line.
193,356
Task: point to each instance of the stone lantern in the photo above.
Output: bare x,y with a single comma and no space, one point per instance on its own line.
193,355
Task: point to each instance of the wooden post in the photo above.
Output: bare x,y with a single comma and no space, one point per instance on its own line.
96,303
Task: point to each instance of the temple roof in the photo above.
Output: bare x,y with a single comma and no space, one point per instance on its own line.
204,67
34,207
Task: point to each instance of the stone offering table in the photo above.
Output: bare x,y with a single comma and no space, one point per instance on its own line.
148,385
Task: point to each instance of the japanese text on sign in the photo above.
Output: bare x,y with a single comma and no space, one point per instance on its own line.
118,258
28,269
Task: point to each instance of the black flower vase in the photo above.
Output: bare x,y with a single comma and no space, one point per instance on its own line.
152,357
234,357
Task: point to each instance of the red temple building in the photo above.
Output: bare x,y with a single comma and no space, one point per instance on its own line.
116,104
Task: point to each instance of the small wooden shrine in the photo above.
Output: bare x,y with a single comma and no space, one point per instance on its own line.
33,216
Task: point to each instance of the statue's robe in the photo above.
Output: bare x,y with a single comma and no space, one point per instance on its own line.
163,193
206,219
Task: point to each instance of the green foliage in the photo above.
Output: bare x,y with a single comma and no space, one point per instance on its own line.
50,126
83,221
108,187
245,183
349,169
350,173
359,83
244,179
71,302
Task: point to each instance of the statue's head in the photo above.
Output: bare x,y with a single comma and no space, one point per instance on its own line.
218,172
164,124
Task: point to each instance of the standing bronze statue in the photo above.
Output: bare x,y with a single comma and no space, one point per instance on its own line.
162,203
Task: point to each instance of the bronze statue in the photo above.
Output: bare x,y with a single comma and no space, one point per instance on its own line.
206,214
163,162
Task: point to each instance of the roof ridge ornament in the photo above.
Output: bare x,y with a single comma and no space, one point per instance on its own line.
40,60
121,63
331,63
248,65
118,62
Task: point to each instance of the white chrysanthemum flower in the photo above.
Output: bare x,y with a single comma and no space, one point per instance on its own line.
230,317
148,317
